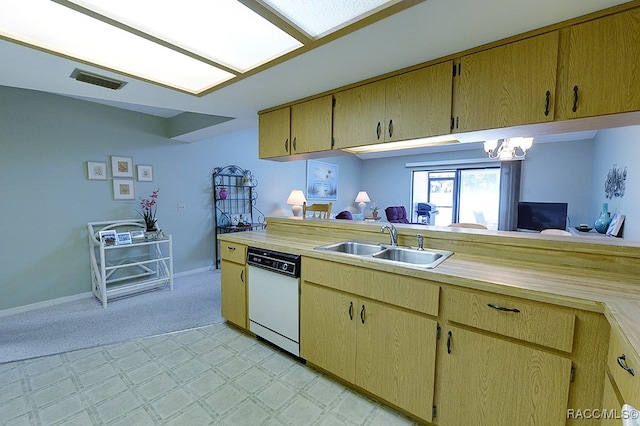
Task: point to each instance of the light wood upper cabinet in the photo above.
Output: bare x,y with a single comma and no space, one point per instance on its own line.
490,381
274,133
408,106
311,125
603,71
301,128
507,85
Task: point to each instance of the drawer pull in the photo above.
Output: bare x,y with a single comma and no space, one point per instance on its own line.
351,310
502,308
242,275
231,248
622,362
362,314
449,336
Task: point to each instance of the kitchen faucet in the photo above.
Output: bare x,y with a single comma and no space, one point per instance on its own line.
393,233
420,241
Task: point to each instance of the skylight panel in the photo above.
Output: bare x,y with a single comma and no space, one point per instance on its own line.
319,17
224,31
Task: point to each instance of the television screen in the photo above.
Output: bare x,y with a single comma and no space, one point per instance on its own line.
539,216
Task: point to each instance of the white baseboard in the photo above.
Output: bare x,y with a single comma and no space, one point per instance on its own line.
60,300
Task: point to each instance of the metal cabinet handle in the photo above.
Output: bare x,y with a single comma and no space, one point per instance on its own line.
622,362
231,248
286,145
449,337
378,130
390,128
502,308
242,275
351,310
362,314
546,103
575,99
295,145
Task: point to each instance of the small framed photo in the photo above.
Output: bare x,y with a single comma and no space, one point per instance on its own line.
145,173
123,189
121,166
137,234
96,170
123,238
108,237
616,225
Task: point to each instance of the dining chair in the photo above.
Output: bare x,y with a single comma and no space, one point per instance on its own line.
467,225
318,211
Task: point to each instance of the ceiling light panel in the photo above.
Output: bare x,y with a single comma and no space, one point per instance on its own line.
61,30
224,31
320,17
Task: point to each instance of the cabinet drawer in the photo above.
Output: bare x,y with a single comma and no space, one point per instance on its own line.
526,320
628,385
233,252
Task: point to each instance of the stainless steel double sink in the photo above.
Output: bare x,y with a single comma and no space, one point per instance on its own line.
406,256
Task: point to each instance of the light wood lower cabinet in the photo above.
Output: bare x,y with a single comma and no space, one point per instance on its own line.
491,381
384,350
233,283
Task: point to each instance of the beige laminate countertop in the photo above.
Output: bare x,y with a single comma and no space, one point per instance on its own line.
618,300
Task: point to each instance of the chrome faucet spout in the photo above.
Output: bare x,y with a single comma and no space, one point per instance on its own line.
393,233
420,241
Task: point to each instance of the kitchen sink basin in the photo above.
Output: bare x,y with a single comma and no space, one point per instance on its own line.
426,258
353,247
395,254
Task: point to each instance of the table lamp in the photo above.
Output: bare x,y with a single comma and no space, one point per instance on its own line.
295,200
362,198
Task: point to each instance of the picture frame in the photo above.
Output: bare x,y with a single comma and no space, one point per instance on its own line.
322,181
121,166
616,225
108,237
136,234
145,173
123,238
96,170
123,189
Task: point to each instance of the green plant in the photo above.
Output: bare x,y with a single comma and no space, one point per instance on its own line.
374,208
148,213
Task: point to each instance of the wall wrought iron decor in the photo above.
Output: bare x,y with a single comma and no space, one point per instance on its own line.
615,183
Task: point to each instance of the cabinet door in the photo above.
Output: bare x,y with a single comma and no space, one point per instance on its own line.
327,330
396,356
507,86
610,403
418,103
274,133
233,292
485,380
603,66
359,117
311,125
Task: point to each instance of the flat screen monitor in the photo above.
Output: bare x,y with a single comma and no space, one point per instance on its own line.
539,216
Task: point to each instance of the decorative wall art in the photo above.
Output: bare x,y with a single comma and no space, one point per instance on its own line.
322,180
145,173
615,183
123,189
121,166
96,170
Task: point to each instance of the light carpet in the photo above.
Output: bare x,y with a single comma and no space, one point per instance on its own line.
194,302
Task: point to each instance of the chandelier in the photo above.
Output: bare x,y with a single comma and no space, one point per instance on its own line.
510,149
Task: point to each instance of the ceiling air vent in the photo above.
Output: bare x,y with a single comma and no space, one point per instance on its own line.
98,80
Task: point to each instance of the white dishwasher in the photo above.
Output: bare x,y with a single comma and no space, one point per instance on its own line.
274,297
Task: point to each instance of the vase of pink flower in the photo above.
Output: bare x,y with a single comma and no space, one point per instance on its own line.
148,206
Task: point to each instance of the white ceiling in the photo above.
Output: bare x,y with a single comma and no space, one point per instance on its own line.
429,30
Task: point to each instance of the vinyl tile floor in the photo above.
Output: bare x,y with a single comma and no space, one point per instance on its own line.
213,375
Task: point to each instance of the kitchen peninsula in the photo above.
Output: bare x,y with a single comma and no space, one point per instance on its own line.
563,308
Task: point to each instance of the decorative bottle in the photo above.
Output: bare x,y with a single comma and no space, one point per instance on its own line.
602,223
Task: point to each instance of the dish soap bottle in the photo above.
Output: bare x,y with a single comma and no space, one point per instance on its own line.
602,223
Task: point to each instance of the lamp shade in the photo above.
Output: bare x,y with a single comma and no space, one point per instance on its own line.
362,197
296,199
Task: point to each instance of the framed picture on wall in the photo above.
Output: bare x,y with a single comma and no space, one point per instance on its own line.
145,173
322,180
123,189
121,166
96,170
